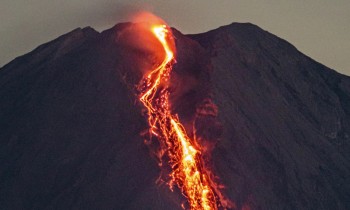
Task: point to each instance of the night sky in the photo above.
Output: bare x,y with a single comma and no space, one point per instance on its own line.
318,28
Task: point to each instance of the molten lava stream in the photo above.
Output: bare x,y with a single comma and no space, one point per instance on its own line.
188,169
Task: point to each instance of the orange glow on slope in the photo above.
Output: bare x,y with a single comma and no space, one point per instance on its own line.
188,170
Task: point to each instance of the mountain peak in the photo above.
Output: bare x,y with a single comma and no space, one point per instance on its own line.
70,125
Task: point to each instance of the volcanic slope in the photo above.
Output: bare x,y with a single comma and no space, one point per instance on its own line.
286,122
70,122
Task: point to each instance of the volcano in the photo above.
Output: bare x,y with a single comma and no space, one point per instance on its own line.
71,127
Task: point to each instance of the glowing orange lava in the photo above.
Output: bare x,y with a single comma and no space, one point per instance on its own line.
188,170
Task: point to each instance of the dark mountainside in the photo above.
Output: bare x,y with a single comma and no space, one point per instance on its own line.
70,123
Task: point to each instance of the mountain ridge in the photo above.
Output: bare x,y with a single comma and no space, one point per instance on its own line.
71,124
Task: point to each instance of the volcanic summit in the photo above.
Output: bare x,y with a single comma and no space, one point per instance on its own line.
274,122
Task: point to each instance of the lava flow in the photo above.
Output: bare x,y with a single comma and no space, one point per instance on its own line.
188,169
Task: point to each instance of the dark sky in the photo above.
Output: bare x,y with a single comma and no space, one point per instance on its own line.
318,28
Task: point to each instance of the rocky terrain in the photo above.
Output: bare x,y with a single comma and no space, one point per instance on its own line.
70,122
